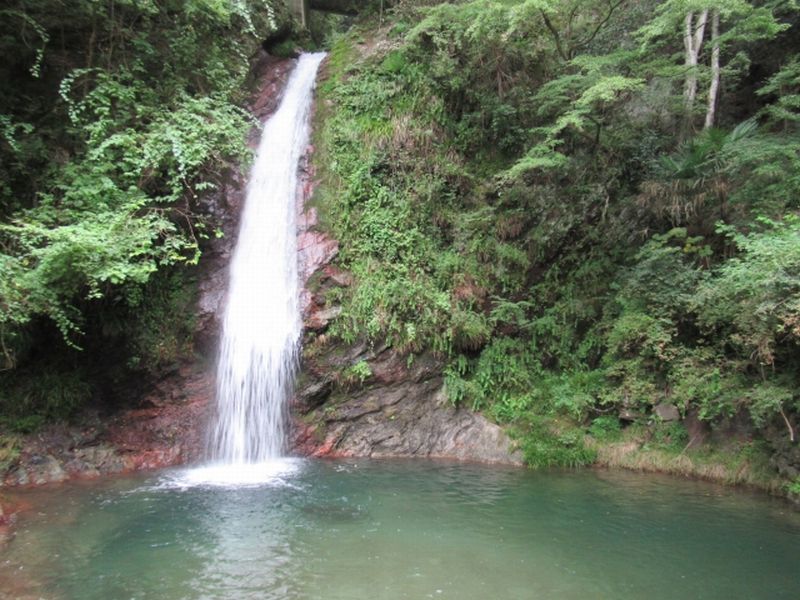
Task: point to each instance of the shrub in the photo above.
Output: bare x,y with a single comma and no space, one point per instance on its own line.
544,447
605,428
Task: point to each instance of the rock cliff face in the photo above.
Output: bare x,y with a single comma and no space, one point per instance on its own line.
399,410
166,429
367,401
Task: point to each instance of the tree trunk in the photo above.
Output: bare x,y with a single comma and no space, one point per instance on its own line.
692,41
713,90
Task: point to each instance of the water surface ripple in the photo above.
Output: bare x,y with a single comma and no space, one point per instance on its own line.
354,530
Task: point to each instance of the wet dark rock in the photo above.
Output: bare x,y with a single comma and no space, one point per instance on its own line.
270,74
731,431
313,394
407,419
277,37
169,431
786,453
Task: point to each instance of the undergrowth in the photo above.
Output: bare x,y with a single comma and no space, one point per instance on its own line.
524,209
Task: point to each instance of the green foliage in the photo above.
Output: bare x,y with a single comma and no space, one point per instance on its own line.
24,424
703,377
784,88
694,184
405,279
357,373
107,144
158,324
508,382
30,399
753,299
9,451
669,436
544,446
569,258
606,428
503,371
285,49
515,188
747,21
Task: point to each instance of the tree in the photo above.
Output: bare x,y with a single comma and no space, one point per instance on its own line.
713,88
692,43
743,23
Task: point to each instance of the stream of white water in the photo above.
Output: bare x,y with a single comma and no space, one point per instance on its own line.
262,325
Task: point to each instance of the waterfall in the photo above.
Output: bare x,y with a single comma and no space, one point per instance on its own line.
261,328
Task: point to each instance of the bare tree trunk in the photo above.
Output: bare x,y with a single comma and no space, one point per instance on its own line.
692,41
687,46
713,90
792,437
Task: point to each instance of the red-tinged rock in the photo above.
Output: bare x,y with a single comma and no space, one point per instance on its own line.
9,509
272,74
167,434
307,220
319,318
315,250
339,276
308,188
328,450
303,440
153,459
389,368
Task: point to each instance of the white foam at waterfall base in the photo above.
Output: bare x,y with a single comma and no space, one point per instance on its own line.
262,325
275,472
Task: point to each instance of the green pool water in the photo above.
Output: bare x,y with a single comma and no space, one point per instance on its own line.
403,529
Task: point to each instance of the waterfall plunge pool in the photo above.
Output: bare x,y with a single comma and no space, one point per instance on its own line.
401,529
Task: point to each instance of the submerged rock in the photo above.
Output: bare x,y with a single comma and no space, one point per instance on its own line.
37,469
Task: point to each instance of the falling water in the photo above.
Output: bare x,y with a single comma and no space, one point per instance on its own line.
261,330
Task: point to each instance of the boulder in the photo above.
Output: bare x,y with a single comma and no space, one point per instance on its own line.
319,319
667,412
